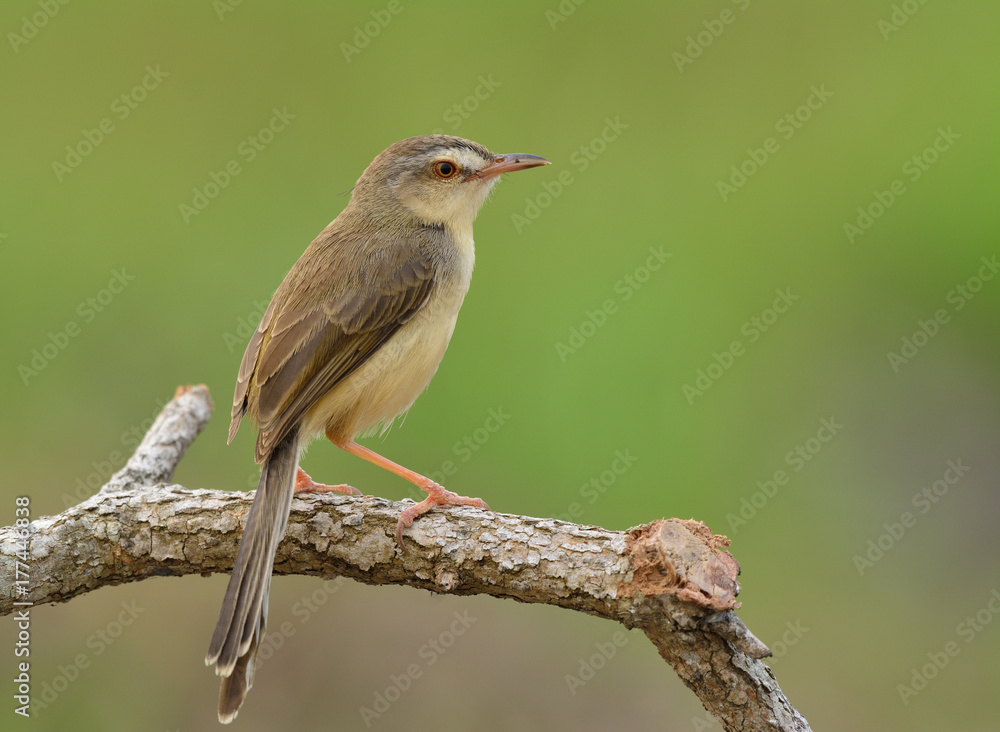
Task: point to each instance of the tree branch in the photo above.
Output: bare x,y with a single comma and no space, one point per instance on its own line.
672,578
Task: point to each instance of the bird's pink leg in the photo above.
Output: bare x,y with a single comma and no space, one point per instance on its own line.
305,484
436,494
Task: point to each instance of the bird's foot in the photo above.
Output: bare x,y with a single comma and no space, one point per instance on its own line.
305,484
436,496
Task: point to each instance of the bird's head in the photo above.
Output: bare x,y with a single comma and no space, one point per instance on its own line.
439,180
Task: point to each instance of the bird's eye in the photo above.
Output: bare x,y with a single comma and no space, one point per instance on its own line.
445,169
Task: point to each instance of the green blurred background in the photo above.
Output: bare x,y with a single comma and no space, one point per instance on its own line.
886,83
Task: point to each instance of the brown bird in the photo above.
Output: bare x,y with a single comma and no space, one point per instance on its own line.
351,338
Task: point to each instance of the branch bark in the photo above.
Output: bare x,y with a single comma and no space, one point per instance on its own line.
671,578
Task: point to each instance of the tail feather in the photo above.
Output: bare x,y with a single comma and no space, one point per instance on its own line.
234,687
243,617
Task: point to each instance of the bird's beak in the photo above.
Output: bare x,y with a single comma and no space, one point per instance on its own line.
510,163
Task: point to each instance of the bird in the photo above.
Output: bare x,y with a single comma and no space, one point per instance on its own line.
351,338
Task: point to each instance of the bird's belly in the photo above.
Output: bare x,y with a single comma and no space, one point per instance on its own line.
388,383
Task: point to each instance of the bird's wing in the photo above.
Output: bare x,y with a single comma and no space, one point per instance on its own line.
247,367
314,338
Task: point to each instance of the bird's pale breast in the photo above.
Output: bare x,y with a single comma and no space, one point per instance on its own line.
388,383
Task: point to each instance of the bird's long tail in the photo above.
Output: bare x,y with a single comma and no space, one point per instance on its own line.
243,617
